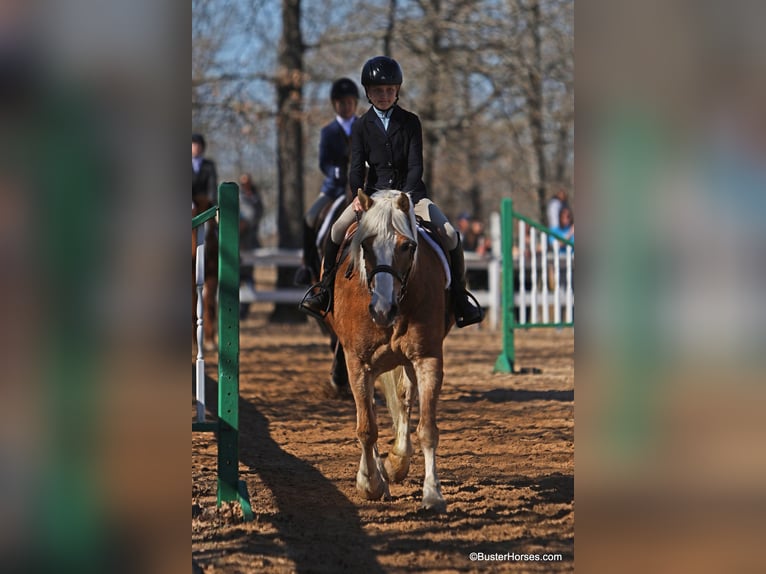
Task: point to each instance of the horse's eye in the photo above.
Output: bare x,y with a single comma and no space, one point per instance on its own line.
407,246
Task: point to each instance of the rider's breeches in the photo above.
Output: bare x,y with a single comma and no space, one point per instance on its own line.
425,209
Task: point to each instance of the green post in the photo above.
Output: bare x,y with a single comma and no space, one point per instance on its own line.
229,487
505,361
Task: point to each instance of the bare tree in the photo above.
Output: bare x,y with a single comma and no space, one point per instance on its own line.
389,35
541,62
534,96
490,79
290,79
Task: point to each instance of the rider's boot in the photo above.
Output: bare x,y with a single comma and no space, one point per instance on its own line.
339,374
466,307
319,298
307,272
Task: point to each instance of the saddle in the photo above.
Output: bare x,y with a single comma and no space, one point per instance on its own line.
315,237
327,217
431,231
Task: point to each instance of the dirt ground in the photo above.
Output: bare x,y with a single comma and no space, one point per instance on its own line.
505,460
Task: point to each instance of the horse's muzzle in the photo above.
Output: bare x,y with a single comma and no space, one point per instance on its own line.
384,317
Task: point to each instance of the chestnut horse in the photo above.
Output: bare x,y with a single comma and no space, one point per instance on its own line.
391,313
210,290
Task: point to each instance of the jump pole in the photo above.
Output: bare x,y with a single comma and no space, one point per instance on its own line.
506,360
230,488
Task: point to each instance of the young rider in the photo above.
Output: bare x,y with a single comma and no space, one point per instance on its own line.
334,152
387,147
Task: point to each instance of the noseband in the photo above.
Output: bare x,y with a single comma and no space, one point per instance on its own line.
384,269
393,272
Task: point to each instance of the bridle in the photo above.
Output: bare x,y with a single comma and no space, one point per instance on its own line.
402,278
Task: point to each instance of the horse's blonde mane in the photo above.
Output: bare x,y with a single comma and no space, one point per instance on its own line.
384,219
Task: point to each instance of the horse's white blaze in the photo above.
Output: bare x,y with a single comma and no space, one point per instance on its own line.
383,296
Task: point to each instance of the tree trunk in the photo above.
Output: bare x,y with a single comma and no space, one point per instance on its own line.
289,149
430,112
536,106
389,35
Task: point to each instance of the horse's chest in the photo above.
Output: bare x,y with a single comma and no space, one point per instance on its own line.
390,352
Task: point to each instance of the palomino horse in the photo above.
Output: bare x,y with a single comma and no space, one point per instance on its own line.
209,310
391,313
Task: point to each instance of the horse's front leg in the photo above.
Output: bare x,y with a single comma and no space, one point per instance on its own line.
430,373
370,479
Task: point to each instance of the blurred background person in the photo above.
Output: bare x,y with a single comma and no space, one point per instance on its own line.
250,213
464,227
480,242
564,228
559,200
475,241
334,153
204,175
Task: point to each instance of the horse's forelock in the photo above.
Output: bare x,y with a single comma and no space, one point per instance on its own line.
378,220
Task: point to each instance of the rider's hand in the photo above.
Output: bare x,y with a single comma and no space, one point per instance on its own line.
356,205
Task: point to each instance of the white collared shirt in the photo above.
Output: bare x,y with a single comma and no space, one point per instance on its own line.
346,124
384,116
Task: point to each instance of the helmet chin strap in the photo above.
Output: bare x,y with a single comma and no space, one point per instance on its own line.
377,108
388,108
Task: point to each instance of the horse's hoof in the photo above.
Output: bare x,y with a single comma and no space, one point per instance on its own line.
396,467
435,505
381,493
433,501
370,491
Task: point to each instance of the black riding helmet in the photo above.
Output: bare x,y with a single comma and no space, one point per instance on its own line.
381,71
343,87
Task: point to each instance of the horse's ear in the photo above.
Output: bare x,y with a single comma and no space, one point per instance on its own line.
403,202
364,199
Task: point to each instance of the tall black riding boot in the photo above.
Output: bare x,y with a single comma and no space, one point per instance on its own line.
318,299
339,374
309,271
466,307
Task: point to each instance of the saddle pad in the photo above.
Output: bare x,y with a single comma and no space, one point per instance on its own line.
440,252
328,220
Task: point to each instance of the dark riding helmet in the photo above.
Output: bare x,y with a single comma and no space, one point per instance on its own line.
343,87
198,139
381,71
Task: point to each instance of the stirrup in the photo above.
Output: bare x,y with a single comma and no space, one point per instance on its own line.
460,320
302,306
